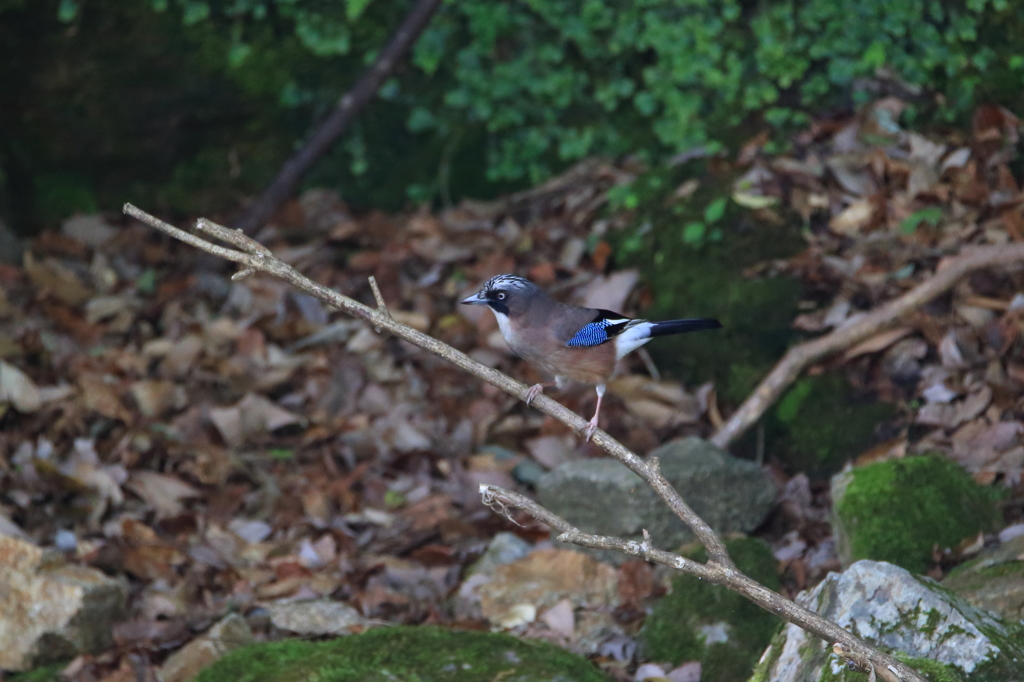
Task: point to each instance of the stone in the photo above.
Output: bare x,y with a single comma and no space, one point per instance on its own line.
504,549
231,632
91,230
993,580
545,577
603,496
899,510
314,617
894,609
50,610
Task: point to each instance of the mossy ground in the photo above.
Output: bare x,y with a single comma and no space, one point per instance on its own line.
404,654
49,673
898,510
672,631
820,423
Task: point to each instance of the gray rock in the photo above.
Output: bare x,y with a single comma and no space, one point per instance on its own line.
993,580
314,617
50,610
603,496
890,607
231,632
504,549
91,230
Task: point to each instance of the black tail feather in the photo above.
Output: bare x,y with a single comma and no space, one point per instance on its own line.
693,324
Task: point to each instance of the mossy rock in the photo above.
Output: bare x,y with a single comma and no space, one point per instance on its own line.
898,510
912,617
993,580
404,654
721,629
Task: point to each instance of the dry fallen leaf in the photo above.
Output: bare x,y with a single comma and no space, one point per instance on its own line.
17,389
878,342
853,218
163,493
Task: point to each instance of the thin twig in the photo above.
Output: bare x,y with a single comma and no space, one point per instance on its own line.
649,365
949,272
719,569
382,307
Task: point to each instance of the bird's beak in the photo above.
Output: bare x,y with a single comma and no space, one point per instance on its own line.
475,299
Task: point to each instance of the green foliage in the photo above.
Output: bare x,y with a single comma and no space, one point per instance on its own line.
49,673
521,88
673,632
898,510
555,80
933,671
421,653
705,278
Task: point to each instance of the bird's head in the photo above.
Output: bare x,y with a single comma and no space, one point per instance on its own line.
505,294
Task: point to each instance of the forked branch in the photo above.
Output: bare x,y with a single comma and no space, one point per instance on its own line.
720,569
798,358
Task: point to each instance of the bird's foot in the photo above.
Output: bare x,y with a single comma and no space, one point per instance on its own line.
533,392
591,427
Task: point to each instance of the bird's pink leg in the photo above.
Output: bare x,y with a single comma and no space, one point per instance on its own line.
536,390
592,426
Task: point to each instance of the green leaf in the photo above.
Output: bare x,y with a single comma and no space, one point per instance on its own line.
693,233
194,12
281,453
67,11
931,215
355,8
146,282
715,210
394,499
874,56
789,406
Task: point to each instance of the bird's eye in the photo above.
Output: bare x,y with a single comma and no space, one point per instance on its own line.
501,296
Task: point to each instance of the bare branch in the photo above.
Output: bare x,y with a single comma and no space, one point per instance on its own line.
348,107
850,647
719,569
950,271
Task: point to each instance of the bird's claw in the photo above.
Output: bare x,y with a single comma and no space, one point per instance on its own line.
533,392
591,427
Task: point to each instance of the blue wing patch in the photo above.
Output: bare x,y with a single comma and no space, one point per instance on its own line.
592,334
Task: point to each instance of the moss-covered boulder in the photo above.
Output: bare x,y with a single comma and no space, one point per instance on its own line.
913,617
719,628
899,510
404,654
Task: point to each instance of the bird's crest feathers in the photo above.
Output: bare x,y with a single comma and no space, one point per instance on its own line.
507,281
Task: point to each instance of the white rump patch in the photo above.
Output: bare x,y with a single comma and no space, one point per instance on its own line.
632,338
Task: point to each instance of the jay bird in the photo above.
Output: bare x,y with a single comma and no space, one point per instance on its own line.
570,342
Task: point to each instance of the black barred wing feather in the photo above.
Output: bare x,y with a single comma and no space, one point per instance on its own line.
604,328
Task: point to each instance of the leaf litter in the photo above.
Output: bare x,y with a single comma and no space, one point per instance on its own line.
235,447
